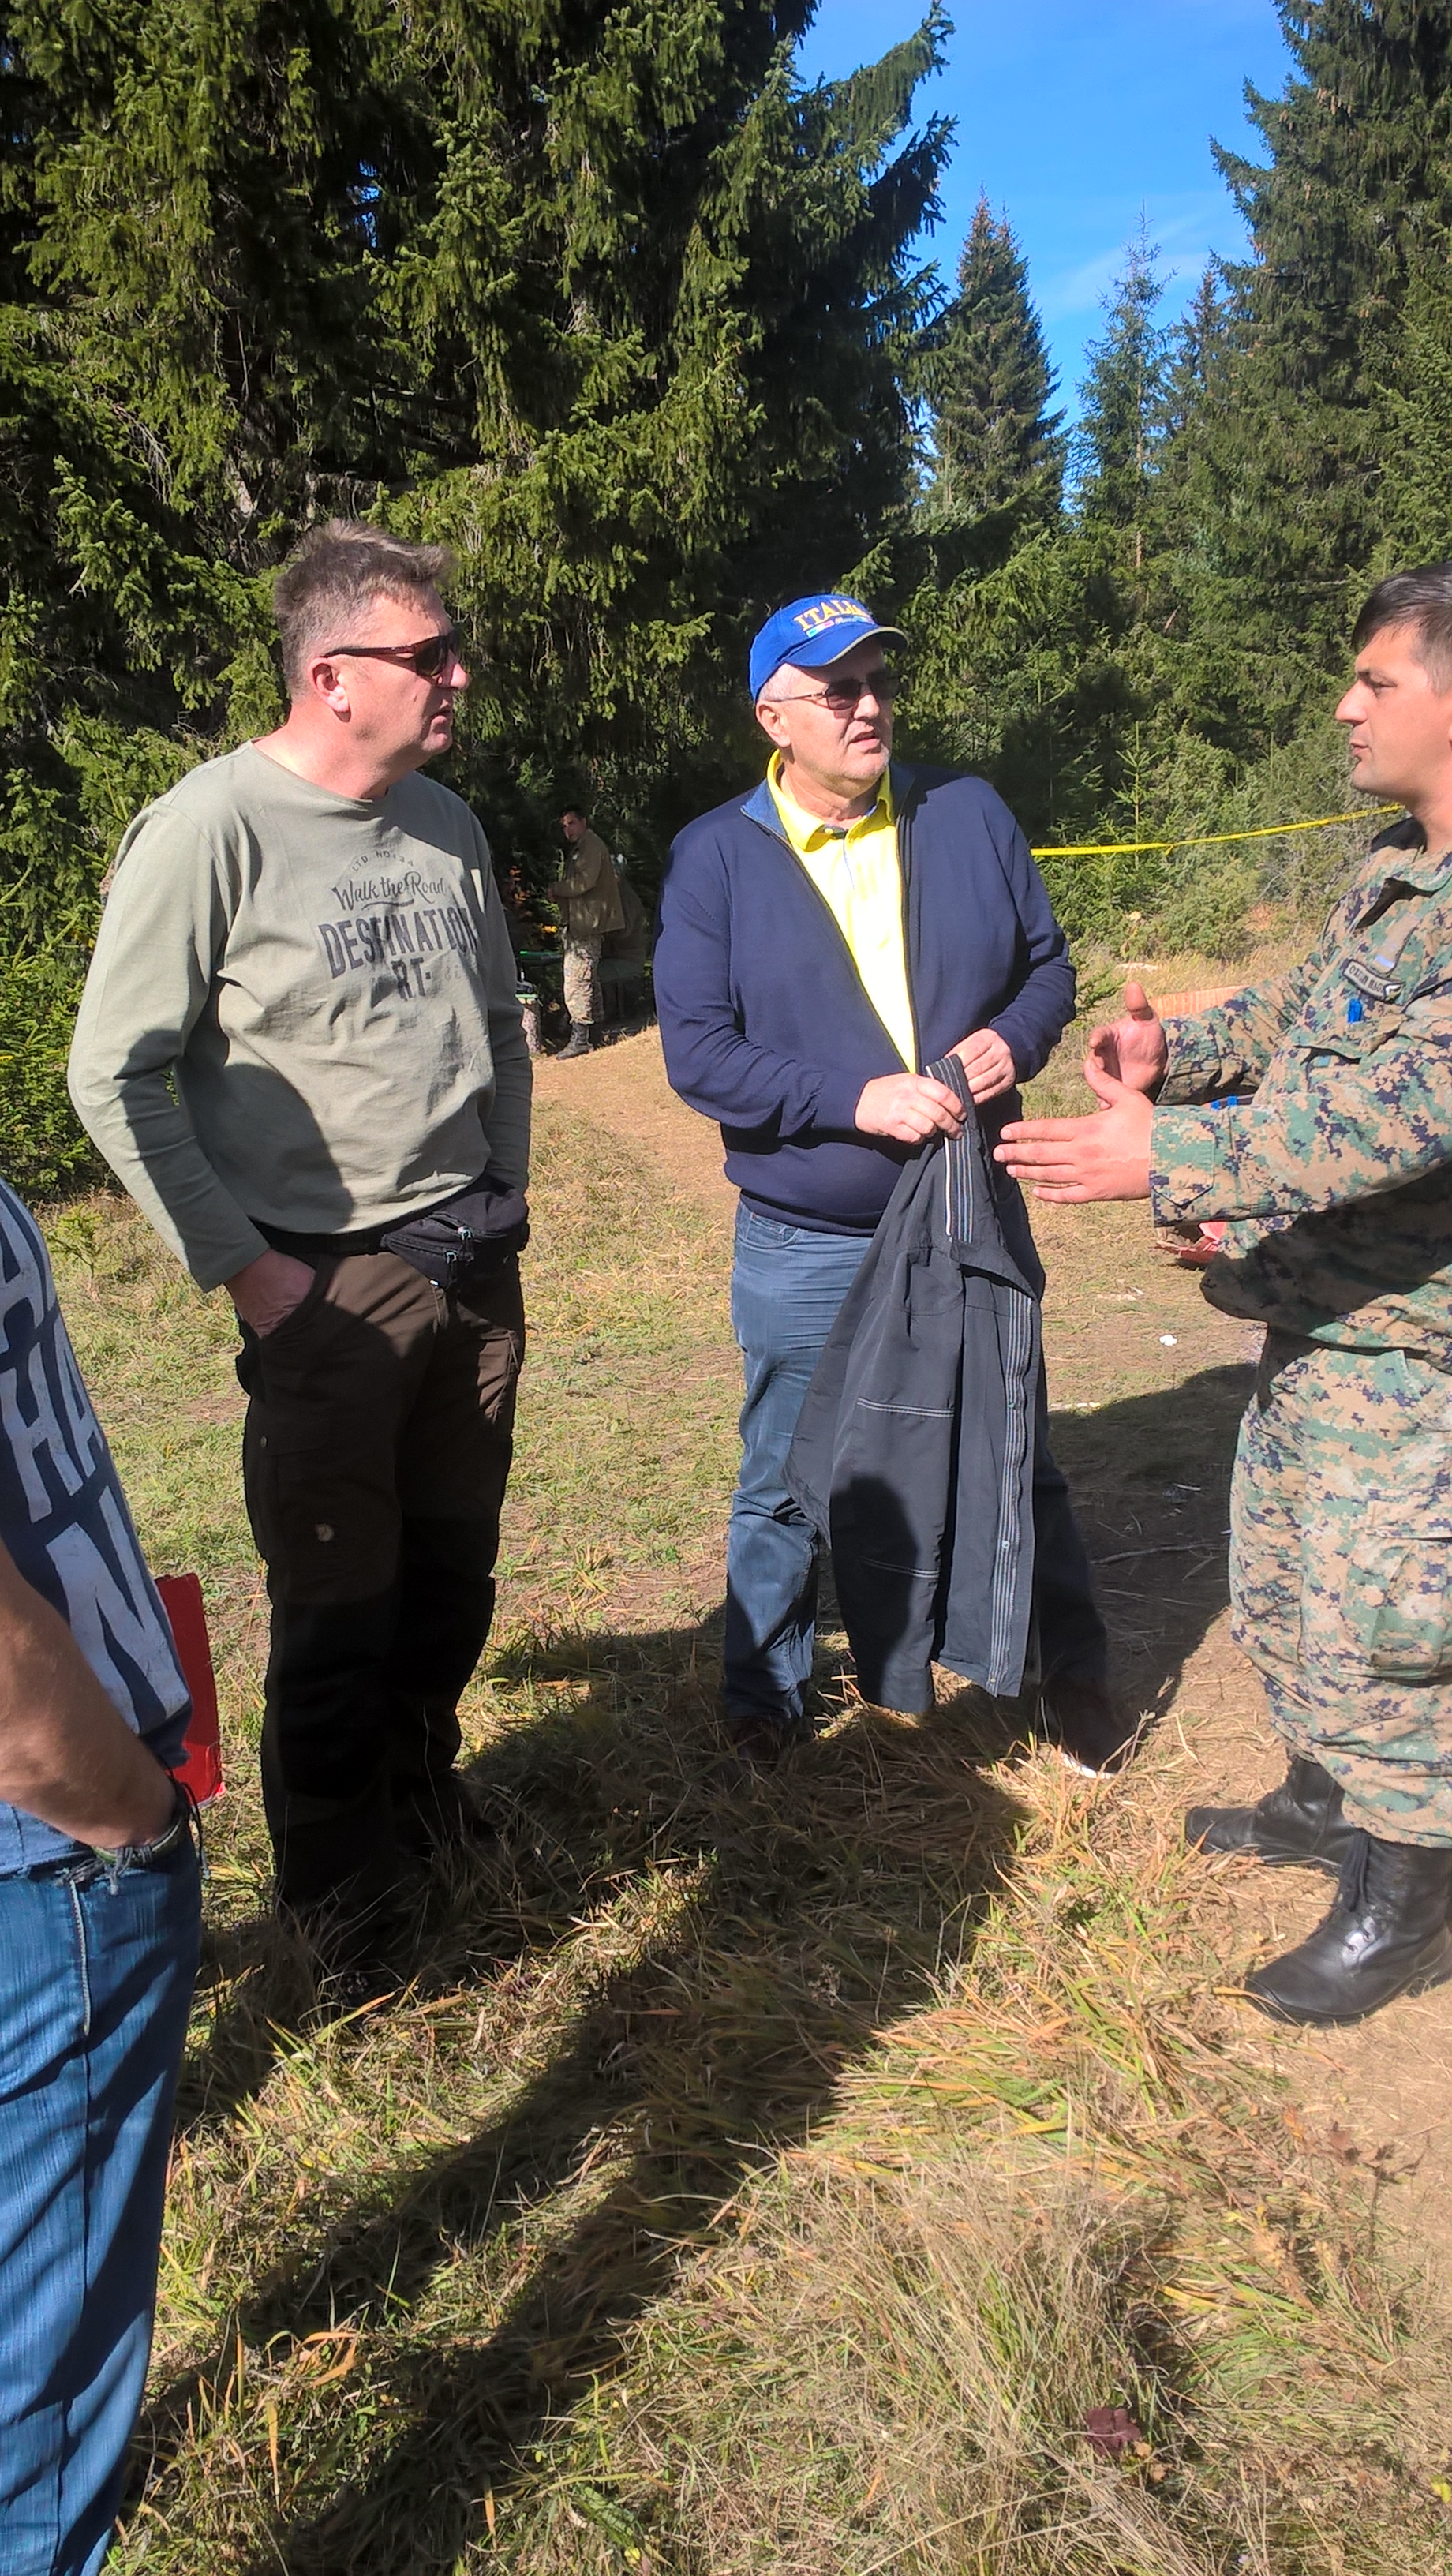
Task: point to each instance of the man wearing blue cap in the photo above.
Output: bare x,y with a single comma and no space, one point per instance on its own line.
847,923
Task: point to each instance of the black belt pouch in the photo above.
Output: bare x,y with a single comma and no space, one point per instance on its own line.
470,1237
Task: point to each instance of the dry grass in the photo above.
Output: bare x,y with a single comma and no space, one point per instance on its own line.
756,2178
1055,2189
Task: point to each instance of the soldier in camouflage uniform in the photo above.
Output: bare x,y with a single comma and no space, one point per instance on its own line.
1336,1174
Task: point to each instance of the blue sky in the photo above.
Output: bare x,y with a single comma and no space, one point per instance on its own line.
1074,115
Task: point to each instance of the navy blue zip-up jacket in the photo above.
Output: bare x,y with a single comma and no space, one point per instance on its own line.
766,1024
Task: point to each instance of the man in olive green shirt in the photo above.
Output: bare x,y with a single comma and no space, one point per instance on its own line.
298,1036
588,899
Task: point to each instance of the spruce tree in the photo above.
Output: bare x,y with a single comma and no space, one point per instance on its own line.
1121,420
116,618
712,416
1193,659
1350,205
1169,663
1417,476
989,386
606,297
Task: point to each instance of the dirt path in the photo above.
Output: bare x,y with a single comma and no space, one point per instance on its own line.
623,1086
1146,1381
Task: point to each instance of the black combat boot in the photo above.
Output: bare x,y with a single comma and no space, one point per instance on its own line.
1386,1935
1299,1822
581,1041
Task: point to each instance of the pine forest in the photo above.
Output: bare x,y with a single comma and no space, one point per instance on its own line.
650,331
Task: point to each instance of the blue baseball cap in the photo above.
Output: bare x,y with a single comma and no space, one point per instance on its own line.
811,633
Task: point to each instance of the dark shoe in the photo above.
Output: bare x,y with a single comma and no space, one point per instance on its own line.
1080,1717
342,1938
580,1041
1301,1822
1386,1935
354,1992
446,1816
760,1737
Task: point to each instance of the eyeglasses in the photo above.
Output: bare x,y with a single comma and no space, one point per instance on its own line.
433,656
841,697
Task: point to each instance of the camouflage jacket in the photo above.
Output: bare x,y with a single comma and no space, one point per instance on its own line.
1337,1172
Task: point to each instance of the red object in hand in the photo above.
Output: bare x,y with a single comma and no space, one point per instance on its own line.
200,1768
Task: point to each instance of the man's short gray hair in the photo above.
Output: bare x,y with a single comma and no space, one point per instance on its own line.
1422,600
772,692
327,588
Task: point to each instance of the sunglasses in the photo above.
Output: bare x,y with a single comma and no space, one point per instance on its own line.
841,697
434,655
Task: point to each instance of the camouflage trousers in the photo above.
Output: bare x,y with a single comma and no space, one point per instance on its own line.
582,979
1341,1573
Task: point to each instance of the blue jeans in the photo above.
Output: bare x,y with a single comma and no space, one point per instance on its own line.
96,1972
786,1288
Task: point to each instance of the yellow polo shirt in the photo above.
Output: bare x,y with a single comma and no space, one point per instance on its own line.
854,867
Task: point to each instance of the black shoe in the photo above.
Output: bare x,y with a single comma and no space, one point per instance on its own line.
344,1939
446,1816
1386,1935
761,1737
1301,1822
471,1827
1080,1717
352,1993
581,1042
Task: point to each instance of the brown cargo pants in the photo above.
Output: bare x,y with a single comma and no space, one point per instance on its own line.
375,1456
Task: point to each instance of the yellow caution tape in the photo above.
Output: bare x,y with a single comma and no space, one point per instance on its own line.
1205,840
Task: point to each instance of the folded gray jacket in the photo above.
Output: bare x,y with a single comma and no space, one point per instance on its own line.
914,1452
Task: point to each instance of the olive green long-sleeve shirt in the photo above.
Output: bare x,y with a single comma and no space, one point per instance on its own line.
587,894
300,1011
1337,1171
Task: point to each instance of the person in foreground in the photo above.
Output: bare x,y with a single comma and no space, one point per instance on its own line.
821,940
100,1922
300,1049
1337,1176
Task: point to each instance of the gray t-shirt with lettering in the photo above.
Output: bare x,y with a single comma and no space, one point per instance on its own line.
301,1009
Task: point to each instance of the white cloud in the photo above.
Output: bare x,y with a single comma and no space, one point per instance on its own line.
1182,240
1080,290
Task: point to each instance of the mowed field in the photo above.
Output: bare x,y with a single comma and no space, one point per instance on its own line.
774,2176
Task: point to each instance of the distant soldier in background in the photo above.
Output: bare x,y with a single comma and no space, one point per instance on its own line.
1337,1176
587,898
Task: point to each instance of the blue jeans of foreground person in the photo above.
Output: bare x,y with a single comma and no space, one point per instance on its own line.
97,1965
787,1286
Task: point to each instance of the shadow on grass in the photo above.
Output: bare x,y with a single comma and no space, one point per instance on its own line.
1150,1477
764,1932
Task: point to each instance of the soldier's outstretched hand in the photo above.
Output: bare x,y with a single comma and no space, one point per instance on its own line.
1131,1049
1103,1157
